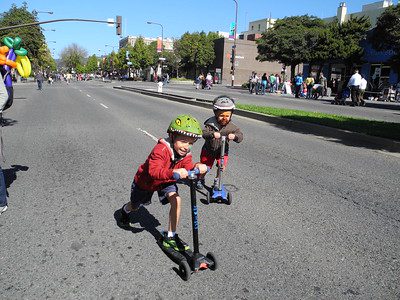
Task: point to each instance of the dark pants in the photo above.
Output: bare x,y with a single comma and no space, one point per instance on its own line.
39,84
297,91
355,94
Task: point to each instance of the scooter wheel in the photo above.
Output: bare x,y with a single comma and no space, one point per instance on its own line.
229,199
184,270
211,257
208,196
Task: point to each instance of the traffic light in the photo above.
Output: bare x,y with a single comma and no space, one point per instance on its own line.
119,25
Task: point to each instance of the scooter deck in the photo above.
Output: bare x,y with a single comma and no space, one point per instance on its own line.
196,261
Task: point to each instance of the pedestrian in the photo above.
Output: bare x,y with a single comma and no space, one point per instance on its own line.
39,79
277,82
264,82
252,82
309,83
324,83
363,87
208,81
272,82
216,126
170,156
298,83
354,85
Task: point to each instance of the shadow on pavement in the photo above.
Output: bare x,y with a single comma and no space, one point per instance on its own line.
8,122
142,218
10,175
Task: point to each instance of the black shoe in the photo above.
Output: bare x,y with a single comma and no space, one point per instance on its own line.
124,219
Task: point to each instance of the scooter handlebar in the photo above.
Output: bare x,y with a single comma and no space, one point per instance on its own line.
193,172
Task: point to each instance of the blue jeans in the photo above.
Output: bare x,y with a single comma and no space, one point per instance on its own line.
3,192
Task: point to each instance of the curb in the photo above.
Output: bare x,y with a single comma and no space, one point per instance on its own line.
334,134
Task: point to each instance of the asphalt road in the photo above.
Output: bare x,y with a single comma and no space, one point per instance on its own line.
312,218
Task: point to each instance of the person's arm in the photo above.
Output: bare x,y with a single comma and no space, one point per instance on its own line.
208,132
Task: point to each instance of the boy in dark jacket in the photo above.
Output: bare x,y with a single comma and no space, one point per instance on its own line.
169,156
215,127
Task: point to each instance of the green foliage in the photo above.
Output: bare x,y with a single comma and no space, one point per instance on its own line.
141,56
307,39
46,61
289,40
32,37
196,50
91,64
386,35
73,56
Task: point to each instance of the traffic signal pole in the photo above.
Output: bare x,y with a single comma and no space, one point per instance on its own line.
118,23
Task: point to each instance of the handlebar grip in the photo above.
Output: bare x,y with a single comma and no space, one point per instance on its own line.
196,171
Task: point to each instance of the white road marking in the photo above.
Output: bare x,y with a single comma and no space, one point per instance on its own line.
88,95
103,105
148,134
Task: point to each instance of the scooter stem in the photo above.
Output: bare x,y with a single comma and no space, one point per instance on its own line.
221,164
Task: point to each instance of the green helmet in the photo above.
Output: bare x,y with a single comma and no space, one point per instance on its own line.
185,125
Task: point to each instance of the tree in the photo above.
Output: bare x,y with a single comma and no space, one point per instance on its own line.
32,36
92,64
386,35
196,50
46,61
73,56
289,41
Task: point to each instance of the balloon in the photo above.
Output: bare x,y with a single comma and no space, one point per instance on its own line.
5,60
21,52
9,42
23,66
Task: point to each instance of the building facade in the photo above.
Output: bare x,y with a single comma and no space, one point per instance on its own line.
168,44
245,61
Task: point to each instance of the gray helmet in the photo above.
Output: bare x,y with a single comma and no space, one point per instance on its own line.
223,103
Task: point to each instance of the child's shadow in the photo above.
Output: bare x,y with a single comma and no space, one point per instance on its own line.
10,175
142,218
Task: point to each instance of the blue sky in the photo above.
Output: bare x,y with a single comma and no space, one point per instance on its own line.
176,16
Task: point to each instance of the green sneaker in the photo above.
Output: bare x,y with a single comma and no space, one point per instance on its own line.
175,243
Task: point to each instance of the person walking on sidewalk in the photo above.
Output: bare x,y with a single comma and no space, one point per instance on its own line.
298,84
354,85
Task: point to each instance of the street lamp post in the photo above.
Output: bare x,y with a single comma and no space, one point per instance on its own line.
162,39
234,46
112,60
162,33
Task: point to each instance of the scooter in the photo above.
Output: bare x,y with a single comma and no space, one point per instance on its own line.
219,192
191,261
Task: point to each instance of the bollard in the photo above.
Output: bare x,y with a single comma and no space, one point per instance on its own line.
159,87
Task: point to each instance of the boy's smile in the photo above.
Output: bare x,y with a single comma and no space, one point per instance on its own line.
224,117
182,144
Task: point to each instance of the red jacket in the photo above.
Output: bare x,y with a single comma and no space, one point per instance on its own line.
157,169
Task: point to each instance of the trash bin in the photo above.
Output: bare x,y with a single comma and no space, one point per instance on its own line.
159,87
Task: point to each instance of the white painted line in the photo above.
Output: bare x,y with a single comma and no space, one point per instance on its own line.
148,134
80,90
103,105
89,96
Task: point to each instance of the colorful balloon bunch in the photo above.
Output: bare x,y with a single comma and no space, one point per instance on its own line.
12,55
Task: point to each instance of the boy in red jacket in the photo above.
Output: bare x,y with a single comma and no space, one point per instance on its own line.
169,156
